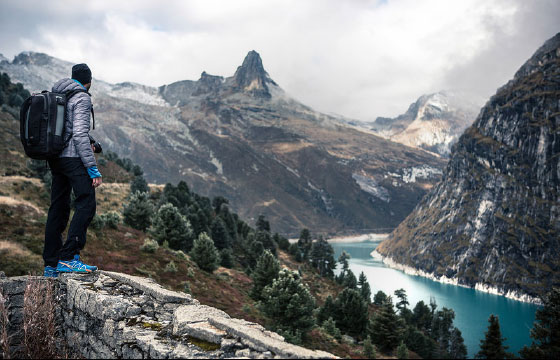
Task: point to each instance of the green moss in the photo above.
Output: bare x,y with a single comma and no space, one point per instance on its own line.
152,326
204,345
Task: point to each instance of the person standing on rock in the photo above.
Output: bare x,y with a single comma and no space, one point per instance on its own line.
75,169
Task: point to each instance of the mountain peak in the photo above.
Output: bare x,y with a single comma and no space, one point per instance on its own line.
251,77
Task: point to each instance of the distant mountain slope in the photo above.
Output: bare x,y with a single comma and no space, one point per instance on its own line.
244,138
434,122
494,220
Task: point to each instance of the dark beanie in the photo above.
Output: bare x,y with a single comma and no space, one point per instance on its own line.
82,73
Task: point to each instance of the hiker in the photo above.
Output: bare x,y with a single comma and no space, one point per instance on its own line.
74,169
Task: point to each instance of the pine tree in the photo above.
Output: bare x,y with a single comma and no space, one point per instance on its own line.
226,258
139,184
266,240
329,326
169,225
326,311
349,281
219,234
139,211
492,346
403,302
365,289
351,312
304,243
386,327
282,242
546,329
262,224
369,349
265,272
380,298
204,253
422,316
288,302
402,351
457,348
322,257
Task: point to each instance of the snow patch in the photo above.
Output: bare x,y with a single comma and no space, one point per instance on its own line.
424,172
369,185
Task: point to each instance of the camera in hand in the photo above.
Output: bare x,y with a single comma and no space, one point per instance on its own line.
96,145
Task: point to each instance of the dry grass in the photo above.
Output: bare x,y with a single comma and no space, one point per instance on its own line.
39,325
4,322
13,249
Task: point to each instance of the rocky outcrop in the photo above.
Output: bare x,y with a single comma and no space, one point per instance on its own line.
494,221
113,315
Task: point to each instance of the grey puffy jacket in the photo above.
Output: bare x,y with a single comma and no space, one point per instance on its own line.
78,110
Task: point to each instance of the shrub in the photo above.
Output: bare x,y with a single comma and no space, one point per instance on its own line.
111,219
330,328
149,246
97,223
171,267
139,184
204,253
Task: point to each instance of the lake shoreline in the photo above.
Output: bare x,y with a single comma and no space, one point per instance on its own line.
452,281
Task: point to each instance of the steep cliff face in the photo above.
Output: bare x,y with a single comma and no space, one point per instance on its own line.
494,220
244,138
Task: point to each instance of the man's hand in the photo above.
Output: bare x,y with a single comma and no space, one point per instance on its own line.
96,182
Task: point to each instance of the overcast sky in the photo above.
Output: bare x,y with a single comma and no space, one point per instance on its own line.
359,58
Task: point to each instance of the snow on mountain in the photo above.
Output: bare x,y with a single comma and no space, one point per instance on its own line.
434,122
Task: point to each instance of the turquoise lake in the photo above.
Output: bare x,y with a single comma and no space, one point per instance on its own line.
472,308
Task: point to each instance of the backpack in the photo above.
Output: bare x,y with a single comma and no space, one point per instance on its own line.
41,124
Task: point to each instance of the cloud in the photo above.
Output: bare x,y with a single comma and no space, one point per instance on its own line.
357,58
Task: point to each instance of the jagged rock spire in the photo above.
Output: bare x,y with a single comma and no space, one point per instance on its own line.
251,77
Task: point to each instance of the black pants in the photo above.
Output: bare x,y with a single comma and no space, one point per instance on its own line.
68,174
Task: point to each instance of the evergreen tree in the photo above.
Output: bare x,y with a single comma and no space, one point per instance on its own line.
457,348
343,260
364,287
322,257
262,224
219,234
304,243
351,312
546,329
288,303
139,211
326,311
169,225
492,346
369,349
441,329
293,250
204,253
349,280
418,342
139,184
380,298
386,327
226,258
265,272
256,249
266,240
217,203
329,326
402,303
402,351
282,242
422,316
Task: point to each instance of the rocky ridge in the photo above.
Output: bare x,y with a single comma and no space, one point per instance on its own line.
113,315
493,222
244,138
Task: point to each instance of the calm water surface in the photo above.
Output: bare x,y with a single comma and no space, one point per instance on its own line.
472,308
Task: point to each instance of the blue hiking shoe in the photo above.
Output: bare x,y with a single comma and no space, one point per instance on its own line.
75,266
50,272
